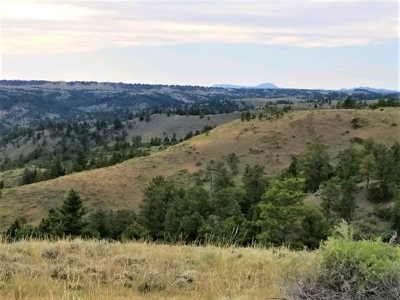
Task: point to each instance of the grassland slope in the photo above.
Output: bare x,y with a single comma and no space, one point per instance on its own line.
270,143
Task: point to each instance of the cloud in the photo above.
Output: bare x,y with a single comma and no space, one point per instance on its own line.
30,27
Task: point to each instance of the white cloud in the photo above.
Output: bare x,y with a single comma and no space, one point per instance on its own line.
75,26
31,10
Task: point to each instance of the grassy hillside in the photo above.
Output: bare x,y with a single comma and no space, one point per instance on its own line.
159,126
270,143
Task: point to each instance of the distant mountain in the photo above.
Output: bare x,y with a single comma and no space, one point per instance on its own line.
266,85
369,89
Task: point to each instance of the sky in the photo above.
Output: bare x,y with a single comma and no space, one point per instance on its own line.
293,44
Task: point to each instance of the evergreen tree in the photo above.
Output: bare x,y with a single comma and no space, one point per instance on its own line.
53,225
71,214
186,214
367,167
314,228
349,163
157,196
117,124
99,223
225,200
233,161
29,176
119,221
222,178
255,183
80,161
173,139
314,165
345,208
281,207
293,167
330,196
247,115
57,170
337,197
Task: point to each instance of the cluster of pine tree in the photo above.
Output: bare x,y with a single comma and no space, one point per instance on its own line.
269,112
72,220
390,102
272,211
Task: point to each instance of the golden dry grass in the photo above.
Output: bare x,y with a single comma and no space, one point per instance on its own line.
121,186
100,270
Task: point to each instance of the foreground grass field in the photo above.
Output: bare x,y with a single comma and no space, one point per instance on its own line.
341,269
100,270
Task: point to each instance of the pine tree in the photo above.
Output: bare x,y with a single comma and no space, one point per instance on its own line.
71,214
233,160
367,167
57,170
186,214
243,115
255,183
314,165
222,178
157,196
247,115
281,207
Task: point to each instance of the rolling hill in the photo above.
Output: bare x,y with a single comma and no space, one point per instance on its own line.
270,143
266,85
29,102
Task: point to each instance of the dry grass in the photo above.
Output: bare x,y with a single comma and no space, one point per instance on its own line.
100,270
121,186
180,125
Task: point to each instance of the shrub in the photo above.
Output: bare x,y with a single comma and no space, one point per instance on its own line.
134,232
348,269
51,251
355,123
357,140
382,211
152,282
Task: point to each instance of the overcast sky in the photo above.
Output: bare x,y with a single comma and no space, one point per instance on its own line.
300,44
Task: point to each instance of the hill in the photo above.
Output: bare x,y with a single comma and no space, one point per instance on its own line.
269,143
159,126
31,102
370,89
266,85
